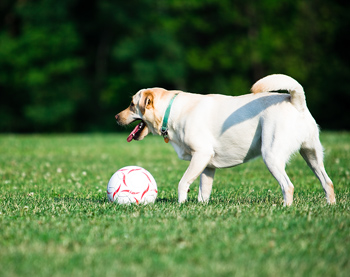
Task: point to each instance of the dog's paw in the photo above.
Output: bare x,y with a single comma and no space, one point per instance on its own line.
182,198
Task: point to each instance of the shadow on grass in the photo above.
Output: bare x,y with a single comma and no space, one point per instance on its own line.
248,200
105,200
166,200
237,200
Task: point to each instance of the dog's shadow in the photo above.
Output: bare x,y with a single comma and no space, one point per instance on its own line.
251,110
174,201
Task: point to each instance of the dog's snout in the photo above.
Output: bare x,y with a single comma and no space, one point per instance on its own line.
122,119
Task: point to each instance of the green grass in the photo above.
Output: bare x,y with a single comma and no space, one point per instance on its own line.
55,219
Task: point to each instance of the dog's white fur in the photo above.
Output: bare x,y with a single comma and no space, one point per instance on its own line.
217,131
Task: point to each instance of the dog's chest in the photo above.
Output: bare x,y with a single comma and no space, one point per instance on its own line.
182,151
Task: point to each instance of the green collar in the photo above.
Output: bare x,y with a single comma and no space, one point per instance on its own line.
164,130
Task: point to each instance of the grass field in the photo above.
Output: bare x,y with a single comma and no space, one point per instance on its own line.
55,219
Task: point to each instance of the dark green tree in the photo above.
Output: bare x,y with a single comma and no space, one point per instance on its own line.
70,65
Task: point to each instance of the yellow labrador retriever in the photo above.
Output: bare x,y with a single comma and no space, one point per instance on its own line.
217,131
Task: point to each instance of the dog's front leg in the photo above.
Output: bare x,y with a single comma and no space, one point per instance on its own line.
206,184
198,163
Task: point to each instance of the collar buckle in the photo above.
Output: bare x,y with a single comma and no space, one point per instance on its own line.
164,132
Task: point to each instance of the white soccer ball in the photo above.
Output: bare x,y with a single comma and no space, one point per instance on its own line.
132,184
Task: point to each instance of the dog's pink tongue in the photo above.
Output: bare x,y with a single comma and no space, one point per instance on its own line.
132,134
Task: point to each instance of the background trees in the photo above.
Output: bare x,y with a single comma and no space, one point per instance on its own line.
70,65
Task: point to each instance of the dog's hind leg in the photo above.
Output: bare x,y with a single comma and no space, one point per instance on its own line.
312,152
277,169
206,184
275,154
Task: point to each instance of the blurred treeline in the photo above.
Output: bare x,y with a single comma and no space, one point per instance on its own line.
71,65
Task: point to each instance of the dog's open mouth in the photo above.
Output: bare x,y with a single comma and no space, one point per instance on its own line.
137,131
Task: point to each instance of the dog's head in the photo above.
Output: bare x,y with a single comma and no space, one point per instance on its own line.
148,106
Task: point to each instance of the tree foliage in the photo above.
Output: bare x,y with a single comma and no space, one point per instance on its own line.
70,65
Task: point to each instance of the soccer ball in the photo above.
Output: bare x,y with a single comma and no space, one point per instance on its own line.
132,184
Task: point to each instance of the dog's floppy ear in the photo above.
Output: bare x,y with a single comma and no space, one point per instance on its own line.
149,100
146,101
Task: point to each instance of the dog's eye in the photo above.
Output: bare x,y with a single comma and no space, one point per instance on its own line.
132,104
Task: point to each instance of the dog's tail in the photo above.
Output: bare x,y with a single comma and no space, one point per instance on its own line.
282,82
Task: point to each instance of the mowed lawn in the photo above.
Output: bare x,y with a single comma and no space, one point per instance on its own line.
55,219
